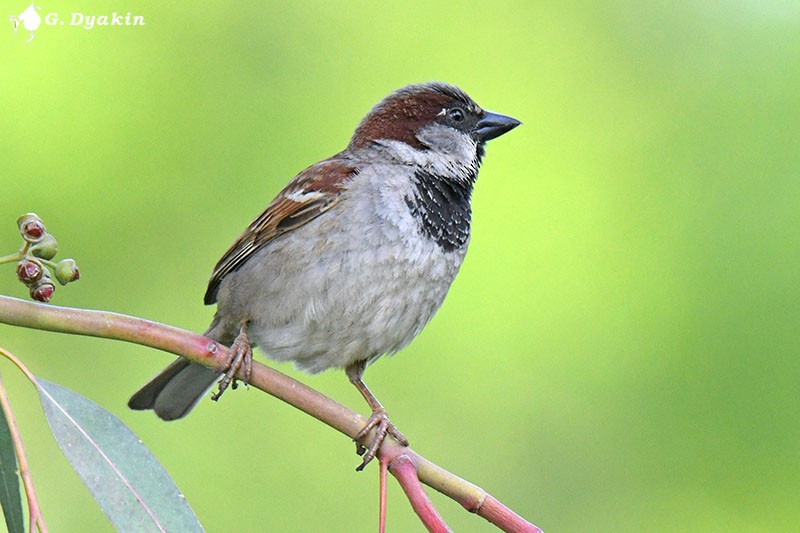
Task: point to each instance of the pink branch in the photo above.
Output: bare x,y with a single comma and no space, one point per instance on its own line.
472,498
210,353
503,517
406,473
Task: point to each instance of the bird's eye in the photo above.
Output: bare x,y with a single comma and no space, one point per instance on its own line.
456,114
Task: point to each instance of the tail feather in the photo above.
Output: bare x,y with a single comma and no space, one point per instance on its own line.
176,390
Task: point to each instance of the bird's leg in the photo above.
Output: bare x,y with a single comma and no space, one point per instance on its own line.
241,353
379,419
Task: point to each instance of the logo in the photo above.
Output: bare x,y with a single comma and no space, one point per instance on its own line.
30,20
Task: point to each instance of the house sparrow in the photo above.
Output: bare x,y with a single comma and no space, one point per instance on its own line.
353,257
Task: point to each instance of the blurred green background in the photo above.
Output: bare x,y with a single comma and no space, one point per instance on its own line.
620,350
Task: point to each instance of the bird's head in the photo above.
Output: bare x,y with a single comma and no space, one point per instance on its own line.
431,121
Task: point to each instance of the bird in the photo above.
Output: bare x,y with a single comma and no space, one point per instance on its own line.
353,257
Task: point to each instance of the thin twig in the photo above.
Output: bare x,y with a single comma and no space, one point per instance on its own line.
34,509
207,352
384,465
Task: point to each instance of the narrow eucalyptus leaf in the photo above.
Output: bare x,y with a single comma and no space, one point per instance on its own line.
131,486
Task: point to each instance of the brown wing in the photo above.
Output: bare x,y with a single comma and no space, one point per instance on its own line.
308,195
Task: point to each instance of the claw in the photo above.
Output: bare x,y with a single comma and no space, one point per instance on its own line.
241,354
383,427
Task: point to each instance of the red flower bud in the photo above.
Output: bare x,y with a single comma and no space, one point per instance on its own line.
29,272
43,290
32,230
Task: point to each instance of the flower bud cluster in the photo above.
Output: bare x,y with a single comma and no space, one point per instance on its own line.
33,268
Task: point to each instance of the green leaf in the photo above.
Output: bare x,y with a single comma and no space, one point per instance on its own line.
128,482
9,480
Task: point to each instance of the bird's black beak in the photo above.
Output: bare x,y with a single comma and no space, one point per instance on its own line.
493,125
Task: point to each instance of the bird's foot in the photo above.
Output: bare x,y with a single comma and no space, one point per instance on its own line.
241,355
383,427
